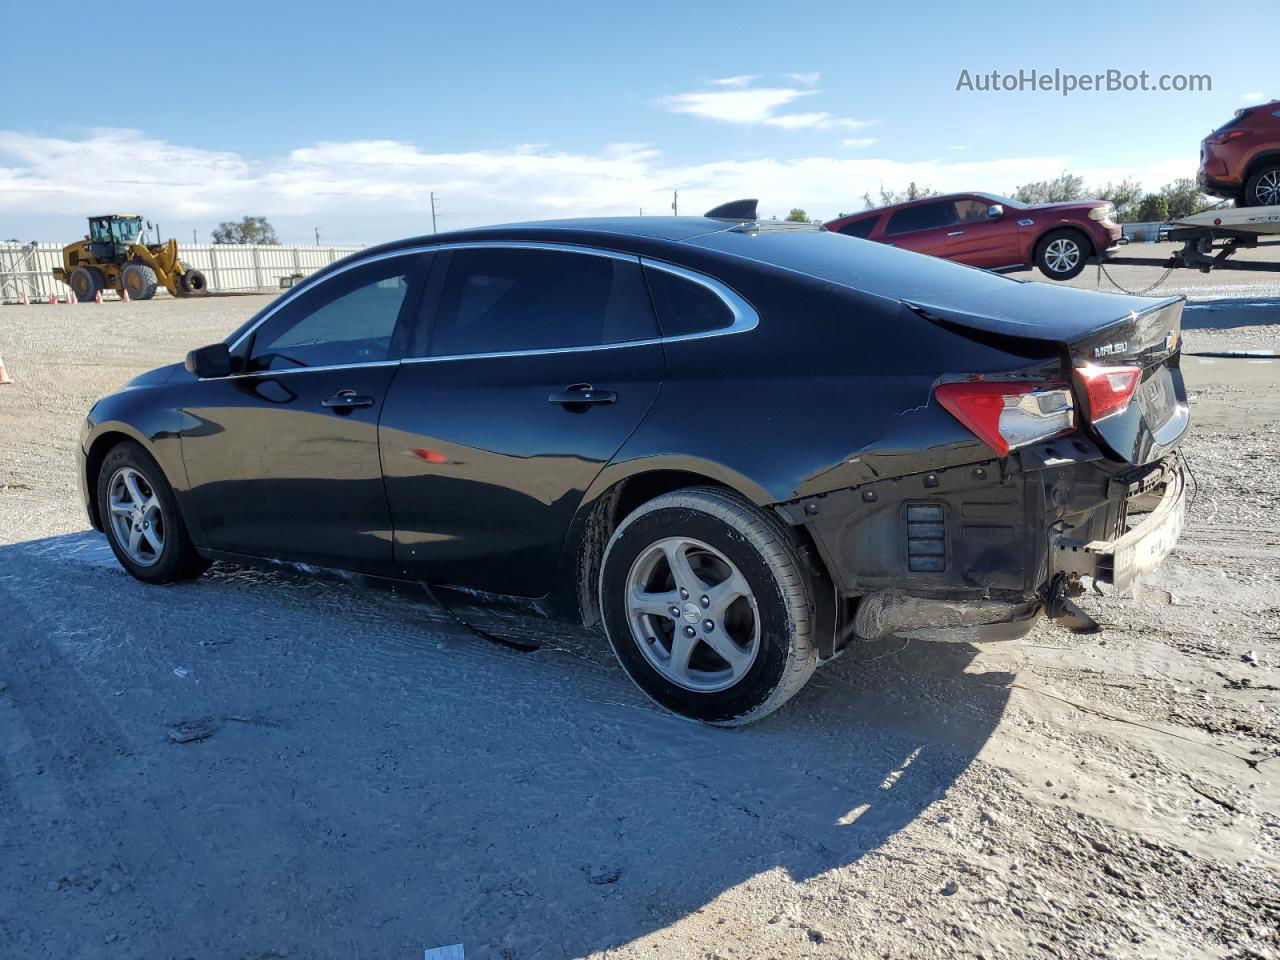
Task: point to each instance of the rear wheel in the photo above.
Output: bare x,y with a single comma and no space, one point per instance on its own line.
1061,254
707,606
86,282
1262,189
140,280
140,515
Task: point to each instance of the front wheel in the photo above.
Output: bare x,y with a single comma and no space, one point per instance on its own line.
140,515
1061,254
707,606
140,280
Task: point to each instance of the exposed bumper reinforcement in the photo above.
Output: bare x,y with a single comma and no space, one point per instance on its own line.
1119,562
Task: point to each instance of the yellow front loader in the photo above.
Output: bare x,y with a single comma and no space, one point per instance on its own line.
112,256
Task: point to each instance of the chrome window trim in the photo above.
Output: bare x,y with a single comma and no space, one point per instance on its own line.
745,317
288,370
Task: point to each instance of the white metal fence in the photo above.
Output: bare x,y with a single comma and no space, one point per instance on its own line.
27,269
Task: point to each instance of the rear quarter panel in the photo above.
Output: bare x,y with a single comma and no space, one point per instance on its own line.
833,388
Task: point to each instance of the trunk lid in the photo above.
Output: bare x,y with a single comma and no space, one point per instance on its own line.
1092,330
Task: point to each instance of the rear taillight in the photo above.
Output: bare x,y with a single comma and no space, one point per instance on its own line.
1009,415
1227,136
1108,389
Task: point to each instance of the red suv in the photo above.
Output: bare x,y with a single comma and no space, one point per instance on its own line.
984,230
1241,159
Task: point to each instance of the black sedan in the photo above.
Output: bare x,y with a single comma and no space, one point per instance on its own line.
737,446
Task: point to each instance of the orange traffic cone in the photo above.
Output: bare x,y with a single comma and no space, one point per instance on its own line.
97,297
124,293
4,374
53,298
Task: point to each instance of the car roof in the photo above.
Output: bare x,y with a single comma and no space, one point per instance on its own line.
583,229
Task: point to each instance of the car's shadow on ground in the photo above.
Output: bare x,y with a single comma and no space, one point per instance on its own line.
1226,313
377,780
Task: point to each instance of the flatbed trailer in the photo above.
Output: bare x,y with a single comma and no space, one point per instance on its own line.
1209,239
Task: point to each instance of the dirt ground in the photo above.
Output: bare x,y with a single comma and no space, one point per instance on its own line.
259,766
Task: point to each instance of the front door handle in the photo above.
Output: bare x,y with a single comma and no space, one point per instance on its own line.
582,393
956,233
347,400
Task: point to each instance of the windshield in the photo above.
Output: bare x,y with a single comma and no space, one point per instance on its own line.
1004,201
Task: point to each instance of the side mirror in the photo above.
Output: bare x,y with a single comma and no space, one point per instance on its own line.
995,211
210,361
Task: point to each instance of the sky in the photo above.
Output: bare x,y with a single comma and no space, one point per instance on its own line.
346,117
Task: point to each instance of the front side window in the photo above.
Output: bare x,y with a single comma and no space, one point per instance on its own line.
500,300
348,318
925,216
971,211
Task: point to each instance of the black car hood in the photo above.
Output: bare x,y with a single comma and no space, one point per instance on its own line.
157,376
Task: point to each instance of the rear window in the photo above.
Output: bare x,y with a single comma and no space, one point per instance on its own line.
871,267
924,217
859,228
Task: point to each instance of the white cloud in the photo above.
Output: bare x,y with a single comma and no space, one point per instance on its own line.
1254,96
370,190
858,142
956,146
808,79
741,103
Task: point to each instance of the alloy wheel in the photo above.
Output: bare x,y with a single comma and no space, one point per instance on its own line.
692,614
1267,190
137,522
1062,255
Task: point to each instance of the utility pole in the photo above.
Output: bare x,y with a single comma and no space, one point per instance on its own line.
433,212
194,241
675,203
317,236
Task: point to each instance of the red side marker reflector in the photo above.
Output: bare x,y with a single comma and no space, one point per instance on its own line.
430,456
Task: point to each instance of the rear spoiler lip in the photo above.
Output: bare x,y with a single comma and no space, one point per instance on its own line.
996,330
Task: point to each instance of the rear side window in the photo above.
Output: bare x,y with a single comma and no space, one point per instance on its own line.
924,217
502,300
859,228
684,306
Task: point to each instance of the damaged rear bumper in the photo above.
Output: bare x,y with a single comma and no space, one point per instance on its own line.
980,552
1143,546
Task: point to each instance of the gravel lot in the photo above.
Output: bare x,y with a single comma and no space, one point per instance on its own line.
362,777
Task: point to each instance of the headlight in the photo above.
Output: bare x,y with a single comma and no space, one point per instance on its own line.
1102,213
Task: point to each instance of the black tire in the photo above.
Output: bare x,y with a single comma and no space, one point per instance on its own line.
140,280
1054,245
178,559
762,550
193,283
85,283
1262,189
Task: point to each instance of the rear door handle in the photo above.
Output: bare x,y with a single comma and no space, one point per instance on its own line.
582,393
956,233
347,400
